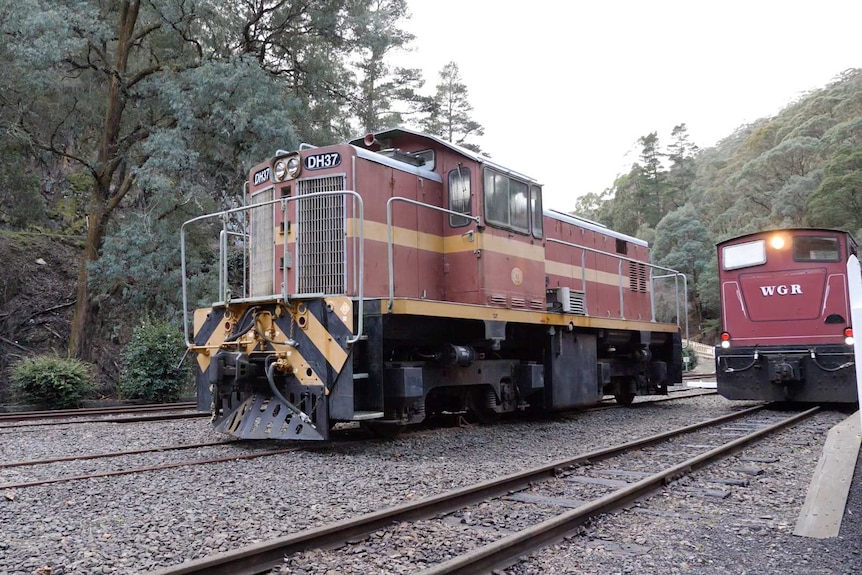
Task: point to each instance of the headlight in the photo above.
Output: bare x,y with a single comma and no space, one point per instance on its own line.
725,340
293,166
279,170
848,336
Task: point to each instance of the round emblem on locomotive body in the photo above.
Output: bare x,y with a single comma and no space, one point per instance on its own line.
517,276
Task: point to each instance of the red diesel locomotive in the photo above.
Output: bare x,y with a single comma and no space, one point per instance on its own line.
399,276
785,310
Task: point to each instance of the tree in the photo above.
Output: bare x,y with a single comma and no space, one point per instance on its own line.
170,98
590,205
386,93
761,180
680,176
837,203
683,243
624,211
448,111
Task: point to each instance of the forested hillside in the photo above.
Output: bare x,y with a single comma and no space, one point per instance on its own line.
802,167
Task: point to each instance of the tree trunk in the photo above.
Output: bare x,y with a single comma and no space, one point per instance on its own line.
105,196
82,319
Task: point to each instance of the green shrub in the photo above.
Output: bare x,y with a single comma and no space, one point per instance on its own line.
150,364
52,381
691,354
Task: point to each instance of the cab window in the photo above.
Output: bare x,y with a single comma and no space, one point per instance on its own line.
815,249
459,196
743,255
536,210
506,202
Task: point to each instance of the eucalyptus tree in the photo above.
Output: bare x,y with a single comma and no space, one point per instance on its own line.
624,209
448,112
683,243
94,62
157,103
782,173
837,203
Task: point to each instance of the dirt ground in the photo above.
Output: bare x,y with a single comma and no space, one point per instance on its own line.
37,297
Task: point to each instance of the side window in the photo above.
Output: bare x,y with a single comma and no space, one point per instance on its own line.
507,202
519,216
496,198
536,210
459,196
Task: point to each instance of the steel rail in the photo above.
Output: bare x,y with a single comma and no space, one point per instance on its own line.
264,556
83,412
129,419
131,471
86,457
506,551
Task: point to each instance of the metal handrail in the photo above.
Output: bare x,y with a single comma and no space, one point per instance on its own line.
676,275
224,293
283,201
389,241
652,266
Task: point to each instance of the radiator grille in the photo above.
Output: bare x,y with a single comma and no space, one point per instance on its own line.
320,238
637,277
262,229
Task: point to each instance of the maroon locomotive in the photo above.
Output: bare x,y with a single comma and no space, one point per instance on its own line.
399,276
785,309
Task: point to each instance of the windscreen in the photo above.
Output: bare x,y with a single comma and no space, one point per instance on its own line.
743,255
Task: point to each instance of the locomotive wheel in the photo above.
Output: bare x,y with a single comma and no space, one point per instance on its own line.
625,398
479,411
383,430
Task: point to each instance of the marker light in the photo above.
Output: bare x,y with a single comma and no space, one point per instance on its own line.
777,242
848,336
725,340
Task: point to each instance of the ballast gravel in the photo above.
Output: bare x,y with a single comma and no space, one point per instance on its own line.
141,522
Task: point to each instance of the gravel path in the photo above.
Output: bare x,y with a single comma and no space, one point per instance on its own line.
136,523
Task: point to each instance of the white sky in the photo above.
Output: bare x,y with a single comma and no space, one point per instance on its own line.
564,89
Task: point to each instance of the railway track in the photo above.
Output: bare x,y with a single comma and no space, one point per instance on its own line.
130,414
578,486
346,435
143,469
91,411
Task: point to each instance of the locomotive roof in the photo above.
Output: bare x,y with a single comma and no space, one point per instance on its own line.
766,232
395,132
594,226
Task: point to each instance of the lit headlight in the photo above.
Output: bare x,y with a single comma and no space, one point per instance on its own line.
279,170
